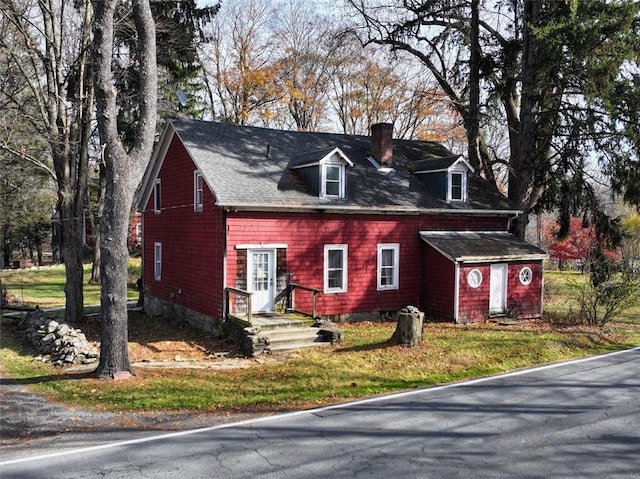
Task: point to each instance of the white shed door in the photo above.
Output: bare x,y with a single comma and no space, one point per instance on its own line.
498,288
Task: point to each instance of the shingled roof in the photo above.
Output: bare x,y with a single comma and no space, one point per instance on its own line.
250,167
465,246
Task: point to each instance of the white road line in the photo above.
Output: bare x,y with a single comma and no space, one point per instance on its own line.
388,397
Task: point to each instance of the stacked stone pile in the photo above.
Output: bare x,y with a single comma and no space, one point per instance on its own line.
58,343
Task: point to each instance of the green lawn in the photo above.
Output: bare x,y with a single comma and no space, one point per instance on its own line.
364,365
561,300
44,287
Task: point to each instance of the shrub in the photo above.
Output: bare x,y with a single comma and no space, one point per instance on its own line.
601,303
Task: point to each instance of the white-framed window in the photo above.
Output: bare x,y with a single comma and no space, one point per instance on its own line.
526,275
156,196
474,278
332,180
157,261
388,265
457,186
335,268
198,191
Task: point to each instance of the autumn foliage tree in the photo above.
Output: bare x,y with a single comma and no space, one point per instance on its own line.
576,245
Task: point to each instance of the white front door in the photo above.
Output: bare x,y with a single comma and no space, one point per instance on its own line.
498,288
260,279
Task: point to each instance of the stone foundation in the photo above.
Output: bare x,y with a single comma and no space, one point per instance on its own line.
157,307
375,316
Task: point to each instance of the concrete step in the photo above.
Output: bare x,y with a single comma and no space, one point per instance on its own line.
265,323
288,339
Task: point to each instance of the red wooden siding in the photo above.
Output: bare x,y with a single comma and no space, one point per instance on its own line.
305,235
192,242
473,303
523,301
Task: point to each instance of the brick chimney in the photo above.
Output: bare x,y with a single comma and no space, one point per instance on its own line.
382,143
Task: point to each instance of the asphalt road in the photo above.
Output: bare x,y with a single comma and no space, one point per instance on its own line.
573,420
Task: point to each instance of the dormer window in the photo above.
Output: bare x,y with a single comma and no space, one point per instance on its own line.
457,186
333,184
445,177
324,172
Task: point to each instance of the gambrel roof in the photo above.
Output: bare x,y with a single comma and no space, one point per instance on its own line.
255,168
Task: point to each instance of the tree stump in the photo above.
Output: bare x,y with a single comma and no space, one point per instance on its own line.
409,328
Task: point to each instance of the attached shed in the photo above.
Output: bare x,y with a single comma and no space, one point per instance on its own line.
493,274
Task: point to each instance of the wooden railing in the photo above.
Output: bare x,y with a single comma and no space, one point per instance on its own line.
314,292
231,305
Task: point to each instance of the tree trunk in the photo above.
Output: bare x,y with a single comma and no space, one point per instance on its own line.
95,264
473,123
123,172
522,169
409,328
114,353
71,235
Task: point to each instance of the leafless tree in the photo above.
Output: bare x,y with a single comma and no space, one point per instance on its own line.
45,48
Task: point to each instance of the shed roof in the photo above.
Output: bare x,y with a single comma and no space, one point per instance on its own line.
481,246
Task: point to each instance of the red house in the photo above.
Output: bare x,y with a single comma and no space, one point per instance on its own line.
355,226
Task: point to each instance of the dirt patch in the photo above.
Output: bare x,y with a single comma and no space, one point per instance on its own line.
159,339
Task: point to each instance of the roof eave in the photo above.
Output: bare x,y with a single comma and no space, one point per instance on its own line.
501,258
363,209
155,163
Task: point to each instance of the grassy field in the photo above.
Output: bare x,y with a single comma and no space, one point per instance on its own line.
364,365
44,287
561,302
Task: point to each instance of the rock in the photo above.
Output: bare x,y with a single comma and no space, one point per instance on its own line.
121,375
63,329
333,335
57,343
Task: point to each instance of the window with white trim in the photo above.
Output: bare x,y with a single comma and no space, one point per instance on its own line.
388,265
335,268
457,186
198,191
333,180
156,196
157,261
526,275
